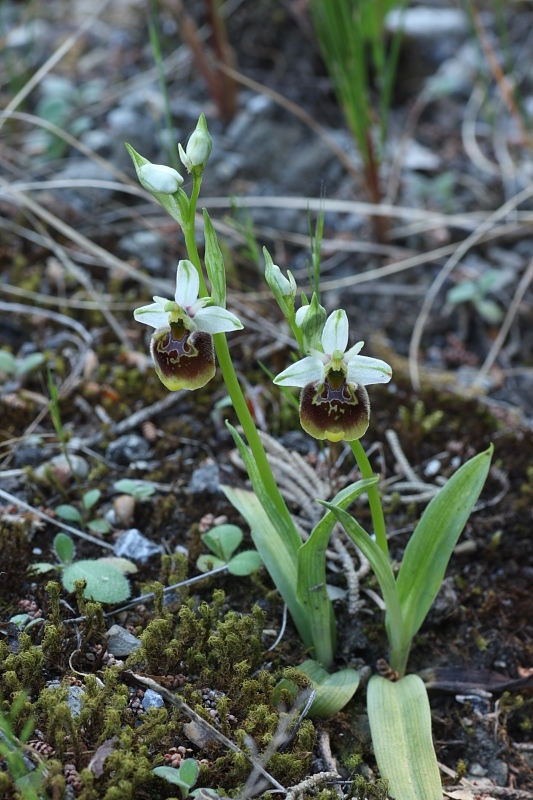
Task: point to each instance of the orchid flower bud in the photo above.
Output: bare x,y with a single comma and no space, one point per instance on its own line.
283,289
198,147
158,178
164,183
311,319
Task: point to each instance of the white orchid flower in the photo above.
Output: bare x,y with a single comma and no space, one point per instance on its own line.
334,403
182,345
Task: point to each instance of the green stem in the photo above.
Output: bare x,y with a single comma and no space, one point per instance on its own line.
376,509
228,371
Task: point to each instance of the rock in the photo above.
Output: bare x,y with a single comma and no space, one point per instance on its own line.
63,469
75,699
205,479
149,246
85,199
132,544
124,509
127,448
120,642
152,699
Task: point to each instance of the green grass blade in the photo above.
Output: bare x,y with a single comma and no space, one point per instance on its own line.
311,588
431,545
400,723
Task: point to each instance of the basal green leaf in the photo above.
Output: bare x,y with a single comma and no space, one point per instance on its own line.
400,723
104,583
382,570
311,588
275,555
431,545
333,691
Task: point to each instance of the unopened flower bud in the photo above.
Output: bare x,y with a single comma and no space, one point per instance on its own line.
159,178
198,147
287,286
311,320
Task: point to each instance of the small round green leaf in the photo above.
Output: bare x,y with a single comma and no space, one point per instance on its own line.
99,526
68,513
189,771
8,362
245,563
170,774
64,548
104,583
91,498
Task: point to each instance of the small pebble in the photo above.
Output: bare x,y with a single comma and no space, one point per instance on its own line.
152,699
121,642
132,544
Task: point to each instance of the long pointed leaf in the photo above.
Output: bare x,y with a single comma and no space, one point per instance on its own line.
400,723
283,524
276,556
311,589
382,570
431,545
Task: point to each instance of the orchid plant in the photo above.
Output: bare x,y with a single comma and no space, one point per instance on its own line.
190,331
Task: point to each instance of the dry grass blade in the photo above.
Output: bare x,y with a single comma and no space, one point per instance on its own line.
464,247
497,345
54,59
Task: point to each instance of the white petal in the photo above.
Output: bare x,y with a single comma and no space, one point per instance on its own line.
187,284
335,333
300,315
363,370
353,351
216,320
152,315
159,178
307,370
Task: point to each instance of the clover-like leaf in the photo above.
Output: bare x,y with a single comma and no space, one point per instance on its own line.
244,563
223,540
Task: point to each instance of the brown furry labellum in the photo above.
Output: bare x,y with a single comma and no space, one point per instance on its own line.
183,360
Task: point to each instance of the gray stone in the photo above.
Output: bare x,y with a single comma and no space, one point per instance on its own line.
121,642
152,699
205,479
85,199
127,448
149,246
132,544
